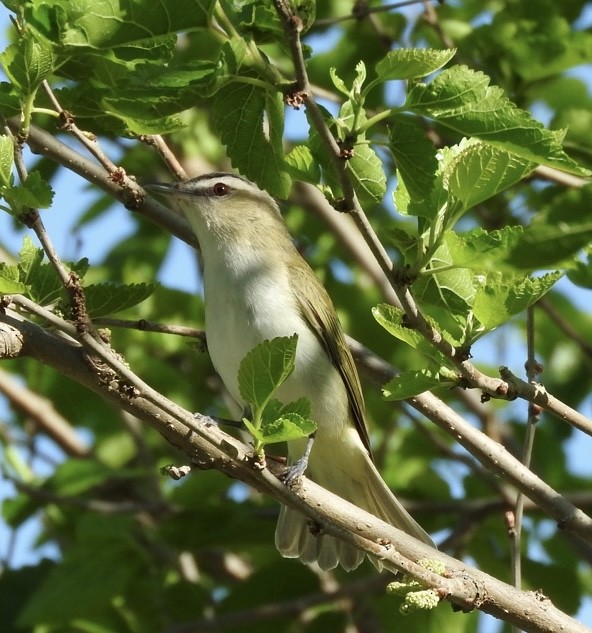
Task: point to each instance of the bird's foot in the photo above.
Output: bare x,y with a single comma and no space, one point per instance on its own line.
298,468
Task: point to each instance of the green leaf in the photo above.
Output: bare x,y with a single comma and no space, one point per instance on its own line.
265,368
463,100
581,273
94,580
452,289
27,63
466,175
302,165
254,20
411,63
367,173
412,383
6,159
29,259
405,240
10,280
500,298
291,426
276,409
106,298
41,279
33,193
480,170
392,320
338,82
539,246
102,24
250,122
415,157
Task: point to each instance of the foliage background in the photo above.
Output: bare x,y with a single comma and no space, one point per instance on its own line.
121,548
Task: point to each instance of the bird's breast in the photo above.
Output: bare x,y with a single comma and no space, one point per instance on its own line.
247,306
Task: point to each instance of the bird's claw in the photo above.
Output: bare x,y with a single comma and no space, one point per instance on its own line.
295,471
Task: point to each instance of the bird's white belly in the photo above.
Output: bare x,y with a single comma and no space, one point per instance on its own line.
239,318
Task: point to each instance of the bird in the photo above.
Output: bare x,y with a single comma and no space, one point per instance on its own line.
257,286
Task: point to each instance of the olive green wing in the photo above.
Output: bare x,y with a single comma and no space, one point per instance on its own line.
322,318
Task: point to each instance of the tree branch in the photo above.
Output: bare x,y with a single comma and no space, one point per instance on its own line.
209,447
43,413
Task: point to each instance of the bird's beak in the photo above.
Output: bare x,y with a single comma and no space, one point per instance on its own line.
160,187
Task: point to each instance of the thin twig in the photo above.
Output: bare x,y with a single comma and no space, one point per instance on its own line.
515,530
168,157
150,326
85,139
565,326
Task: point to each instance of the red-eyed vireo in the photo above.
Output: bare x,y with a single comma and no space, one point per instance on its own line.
257,287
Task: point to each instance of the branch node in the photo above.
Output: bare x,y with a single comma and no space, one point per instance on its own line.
79,313
294,97
66,121
11,341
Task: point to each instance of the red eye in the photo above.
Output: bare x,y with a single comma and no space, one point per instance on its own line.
220,189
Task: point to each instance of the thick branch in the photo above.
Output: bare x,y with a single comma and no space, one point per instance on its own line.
208,447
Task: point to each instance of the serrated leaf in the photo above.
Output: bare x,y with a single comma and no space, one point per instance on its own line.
415,157
537,247
500,298
250,122
453,290
463,100
27,63
338,82
33,193
367,173
44,284
10,280
265,368
232,55
276,409
479,171
405,242
290,426
107,298
545,246
102,24
439,202
412,383
6,158
30,257
359,79
302,165
255,20
392,319
411,63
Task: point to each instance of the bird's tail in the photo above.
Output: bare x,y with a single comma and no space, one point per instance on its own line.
349,472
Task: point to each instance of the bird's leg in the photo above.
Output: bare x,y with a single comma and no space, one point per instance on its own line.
299,467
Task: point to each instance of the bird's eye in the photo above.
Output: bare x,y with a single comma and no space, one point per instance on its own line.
220,189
